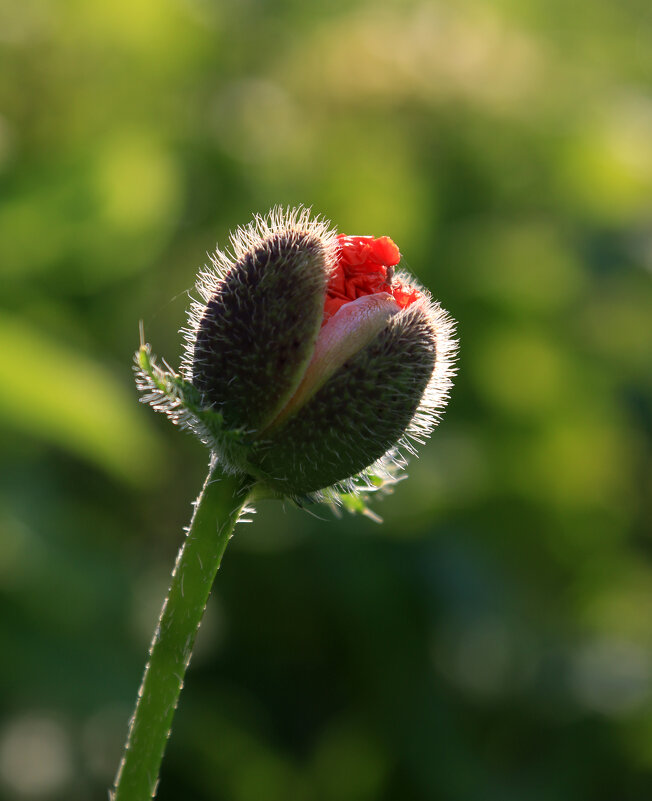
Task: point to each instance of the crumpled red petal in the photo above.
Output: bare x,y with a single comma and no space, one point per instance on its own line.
364,267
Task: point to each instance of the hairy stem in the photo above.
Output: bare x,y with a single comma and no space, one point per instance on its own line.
217,510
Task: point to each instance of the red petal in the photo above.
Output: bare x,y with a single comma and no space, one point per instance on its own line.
361,270
386,251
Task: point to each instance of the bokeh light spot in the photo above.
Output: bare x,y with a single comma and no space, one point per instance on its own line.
35,756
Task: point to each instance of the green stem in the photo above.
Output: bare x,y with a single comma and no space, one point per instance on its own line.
216,512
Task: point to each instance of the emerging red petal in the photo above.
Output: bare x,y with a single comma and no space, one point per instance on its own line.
364,267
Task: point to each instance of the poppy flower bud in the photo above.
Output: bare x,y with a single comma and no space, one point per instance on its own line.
309,362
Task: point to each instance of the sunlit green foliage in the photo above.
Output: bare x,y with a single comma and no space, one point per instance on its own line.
493,638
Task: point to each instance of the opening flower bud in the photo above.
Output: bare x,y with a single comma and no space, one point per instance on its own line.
317,359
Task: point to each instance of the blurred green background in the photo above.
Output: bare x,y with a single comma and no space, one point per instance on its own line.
492,641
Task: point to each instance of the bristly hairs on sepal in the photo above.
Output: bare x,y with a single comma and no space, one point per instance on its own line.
288,221
437,392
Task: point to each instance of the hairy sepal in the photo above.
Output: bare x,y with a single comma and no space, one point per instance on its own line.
358,415
258,330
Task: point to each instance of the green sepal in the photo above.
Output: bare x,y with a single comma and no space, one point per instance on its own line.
355,495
